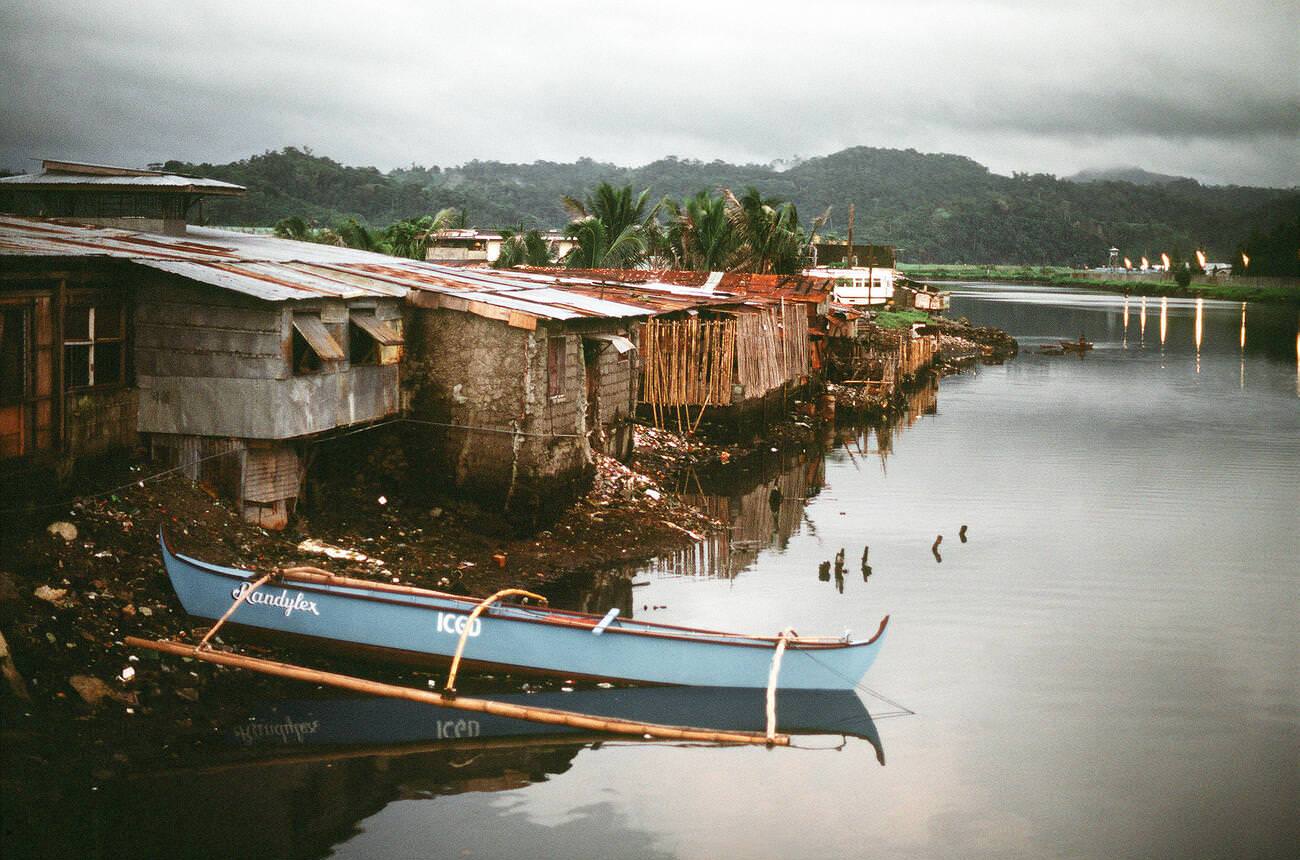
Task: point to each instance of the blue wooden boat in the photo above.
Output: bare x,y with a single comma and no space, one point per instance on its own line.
409,623
370,721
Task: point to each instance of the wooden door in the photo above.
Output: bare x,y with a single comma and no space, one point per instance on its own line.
27,388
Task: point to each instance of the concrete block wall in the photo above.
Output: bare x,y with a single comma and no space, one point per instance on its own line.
555,465
617,398
466,370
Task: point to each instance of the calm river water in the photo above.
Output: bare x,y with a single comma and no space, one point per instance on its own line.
1105,668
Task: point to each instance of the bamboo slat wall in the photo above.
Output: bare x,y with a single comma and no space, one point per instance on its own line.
772,347
885,355
688,362
695,362
916,353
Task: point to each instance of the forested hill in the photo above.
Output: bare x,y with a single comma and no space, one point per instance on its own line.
937,208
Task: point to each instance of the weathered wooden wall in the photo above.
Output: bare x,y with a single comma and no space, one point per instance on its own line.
213,363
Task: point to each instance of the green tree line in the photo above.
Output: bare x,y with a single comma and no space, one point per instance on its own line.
937,208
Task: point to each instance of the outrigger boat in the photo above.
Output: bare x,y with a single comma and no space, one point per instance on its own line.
405,622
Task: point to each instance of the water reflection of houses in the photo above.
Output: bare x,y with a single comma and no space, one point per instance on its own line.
762,508
920,400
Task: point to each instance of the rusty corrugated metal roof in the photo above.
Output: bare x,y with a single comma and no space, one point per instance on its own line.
75,174
788,287
274,269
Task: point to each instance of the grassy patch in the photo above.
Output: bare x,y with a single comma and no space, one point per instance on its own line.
900,319
974,272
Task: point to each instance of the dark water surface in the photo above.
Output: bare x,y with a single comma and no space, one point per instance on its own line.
1106,667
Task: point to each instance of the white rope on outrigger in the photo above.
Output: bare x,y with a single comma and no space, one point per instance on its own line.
786,635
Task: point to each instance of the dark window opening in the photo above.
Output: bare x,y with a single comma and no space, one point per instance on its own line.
305,359
554,366
108,362
313,344
362,347
94,346
76,365
76,324
13,354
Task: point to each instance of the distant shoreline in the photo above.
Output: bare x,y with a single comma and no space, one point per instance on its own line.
1268,290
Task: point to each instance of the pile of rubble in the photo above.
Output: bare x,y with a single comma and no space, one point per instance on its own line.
663,453
857,399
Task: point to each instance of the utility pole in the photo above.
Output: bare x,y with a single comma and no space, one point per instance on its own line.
848,253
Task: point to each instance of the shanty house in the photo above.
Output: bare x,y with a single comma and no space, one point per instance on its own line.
519,382
727,342
223,352
151,201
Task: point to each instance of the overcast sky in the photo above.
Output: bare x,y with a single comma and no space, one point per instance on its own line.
1202,88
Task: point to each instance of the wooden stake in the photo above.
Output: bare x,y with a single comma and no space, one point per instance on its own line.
548,716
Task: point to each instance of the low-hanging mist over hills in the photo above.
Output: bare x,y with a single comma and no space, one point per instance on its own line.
1131,174
935,207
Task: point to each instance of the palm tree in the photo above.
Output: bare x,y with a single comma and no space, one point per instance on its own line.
520,247
767,229
413,236
293,227
771,238
594,248
700,236
611,228
353,234
613,206
410,237
450,218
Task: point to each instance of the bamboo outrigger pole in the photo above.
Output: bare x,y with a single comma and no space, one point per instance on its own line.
548,716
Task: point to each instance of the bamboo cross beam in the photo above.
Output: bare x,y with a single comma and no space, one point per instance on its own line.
548,716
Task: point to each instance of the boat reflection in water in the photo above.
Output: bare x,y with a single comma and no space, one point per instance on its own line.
393,722
298,778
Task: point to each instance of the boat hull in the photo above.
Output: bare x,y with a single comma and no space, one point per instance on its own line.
429,625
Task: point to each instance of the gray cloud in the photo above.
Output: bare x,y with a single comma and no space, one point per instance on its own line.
1198,87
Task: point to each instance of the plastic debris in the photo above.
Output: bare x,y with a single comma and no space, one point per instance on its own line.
319,547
